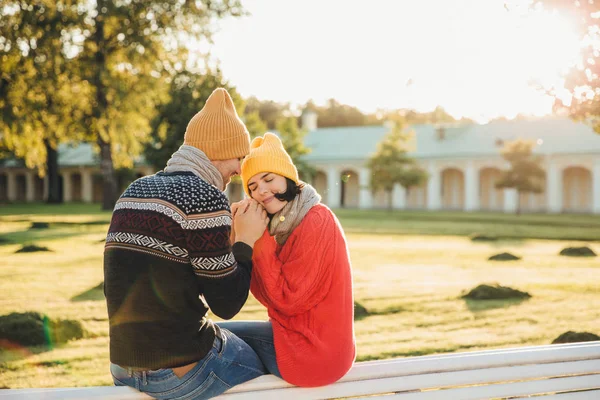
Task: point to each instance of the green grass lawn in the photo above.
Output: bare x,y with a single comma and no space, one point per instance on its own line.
410,269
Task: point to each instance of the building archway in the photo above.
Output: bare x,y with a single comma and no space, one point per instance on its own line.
76,187
453,189
320,185
21,181
350,189
577,190
3,188
490,198
417,197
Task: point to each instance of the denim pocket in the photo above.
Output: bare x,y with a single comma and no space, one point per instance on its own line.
211,387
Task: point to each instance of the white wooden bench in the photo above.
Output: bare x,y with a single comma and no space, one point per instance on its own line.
565,372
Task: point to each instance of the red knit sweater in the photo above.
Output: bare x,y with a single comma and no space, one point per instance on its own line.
306,285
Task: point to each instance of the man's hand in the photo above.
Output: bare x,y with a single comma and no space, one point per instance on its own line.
250,221
242,204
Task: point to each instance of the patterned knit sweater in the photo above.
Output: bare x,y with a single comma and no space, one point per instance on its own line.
306,285
167,245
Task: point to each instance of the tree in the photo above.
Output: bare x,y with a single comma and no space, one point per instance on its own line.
525,173
188,92
42,97
126,50
412,117
583,81
269,111
337,114
392,165
292,138
255,125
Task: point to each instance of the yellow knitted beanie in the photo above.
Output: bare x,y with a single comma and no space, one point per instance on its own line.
267,155
217,130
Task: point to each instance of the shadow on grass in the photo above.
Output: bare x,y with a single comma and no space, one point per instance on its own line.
94,294
62,231
361,312
476,306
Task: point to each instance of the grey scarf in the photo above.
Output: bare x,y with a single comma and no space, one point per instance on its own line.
191,159
285,221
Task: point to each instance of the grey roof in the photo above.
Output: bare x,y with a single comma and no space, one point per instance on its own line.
552,135
343,143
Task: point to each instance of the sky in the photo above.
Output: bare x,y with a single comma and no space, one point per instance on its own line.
475,58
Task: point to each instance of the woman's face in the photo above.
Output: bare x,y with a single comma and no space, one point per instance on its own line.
264,186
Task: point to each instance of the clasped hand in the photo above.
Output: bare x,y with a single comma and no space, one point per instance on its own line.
249,221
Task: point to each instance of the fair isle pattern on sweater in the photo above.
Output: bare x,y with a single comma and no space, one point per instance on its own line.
147,242
214,265
179,217
199,221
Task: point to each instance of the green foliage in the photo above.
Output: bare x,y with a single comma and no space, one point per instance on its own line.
337,114
269,111
43,98
412,117
35,329
188,92
292,138
392,165
525,173
255,125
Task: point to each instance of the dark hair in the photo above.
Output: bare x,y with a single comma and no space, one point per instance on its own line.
292,190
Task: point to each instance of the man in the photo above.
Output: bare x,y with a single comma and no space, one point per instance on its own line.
168,258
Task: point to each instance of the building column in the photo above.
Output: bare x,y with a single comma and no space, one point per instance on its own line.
554,194
399,197
471,188
596,187
333,187
11,183
511,198
87,186
365,196
30,187
434,188
67,191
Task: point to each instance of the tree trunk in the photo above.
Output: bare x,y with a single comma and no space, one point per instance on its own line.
54,195
518,210
390,200
109,180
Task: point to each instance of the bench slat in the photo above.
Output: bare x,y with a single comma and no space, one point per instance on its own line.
448,362
585,395
426,381
505,390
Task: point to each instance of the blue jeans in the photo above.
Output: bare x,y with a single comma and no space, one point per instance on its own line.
259,336
230,362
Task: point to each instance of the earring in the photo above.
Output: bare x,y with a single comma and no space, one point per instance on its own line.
282,218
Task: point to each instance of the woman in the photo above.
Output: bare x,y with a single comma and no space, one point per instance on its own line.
301,273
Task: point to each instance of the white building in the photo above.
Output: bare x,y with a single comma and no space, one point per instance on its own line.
463,163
